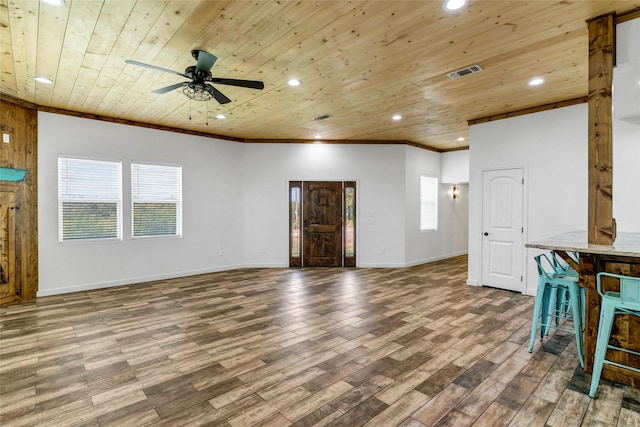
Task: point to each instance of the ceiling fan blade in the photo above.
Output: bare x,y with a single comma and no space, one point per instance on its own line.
153,67
219,96
251,84
205,62
170,88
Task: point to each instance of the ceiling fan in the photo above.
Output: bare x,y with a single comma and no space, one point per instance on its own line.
198,89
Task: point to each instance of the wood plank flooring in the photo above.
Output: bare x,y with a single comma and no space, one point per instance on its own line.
303,347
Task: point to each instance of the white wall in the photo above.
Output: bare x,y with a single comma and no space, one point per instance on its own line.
212,206
626,134
454,167
626,73
378,171
626,175
551,146
235,200
450,239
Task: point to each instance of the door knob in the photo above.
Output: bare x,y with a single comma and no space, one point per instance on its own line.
486,234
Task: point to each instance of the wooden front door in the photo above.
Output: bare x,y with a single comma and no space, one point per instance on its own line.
8,244
322,224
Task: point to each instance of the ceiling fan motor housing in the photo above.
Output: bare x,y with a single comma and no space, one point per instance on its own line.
200,76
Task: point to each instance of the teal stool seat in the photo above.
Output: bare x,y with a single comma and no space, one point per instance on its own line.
562,267
549,304
627,301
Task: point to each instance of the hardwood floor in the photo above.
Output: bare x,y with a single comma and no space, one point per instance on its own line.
302,347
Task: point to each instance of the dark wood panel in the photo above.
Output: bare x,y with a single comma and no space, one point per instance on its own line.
322,226
626,329
9,269
600,222
20,122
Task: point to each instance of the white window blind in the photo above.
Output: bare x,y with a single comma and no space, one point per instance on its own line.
428,203
89,199
156,199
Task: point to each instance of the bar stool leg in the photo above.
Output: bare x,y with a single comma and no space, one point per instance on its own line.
553,309
607,314
576,311
539,311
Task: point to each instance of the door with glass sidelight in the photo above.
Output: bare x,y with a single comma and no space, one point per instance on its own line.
322,228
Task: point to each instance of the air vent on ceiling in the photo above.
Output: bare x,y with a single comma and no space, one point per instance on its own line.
322,117
465,72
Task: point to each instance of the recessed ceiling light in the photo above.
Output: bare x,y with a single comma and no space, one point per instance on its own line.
460,139
397,117
317,136
43,80
54,2
453,4
221,117
294,82
535,82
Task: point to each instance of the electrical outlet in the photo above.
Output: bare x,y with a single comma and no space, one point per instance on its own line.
5,138
220,253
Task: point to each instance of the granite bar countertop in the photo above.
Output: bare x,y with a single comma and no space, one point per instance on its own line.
626,244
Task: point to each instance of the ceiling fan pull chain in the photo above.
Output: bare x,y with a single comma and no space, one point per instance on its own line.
207,121
190,109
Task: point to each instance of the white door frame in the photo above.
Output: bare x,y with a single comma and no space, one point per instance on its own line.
525,220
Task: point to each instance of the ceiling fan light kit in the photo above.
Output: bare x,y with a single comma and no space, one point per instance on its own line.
196,92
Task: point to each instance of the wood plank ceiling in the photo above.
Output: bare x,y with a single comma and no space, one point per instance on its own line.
359,61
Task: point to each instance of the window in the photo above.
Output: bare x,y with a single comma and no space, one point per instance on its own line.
156,199
428,203
89,199
349,259
295,226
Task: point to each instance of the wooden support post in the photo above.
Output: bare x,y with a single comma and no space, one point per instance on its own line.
601,225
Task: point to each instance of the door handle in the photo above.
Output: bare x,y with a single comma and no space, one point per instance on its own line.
486,234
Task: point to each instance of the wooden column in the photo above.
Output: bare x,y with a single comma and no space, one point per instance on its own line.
19,119
601,225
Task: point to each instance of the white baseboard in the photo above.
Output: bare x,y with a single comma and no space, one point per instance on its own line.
531,292
410,263
472,282
434,259
133,281
381,265
266,265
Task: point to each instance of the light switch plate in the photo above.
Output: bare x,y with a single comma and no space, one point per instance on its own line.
5,138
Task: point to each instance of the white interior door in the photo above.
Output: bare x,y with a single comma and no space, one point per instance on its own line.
502,208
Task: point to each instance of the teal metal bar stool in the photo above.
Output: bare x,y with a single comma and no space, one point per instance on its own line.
561,267
627,301
548,309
